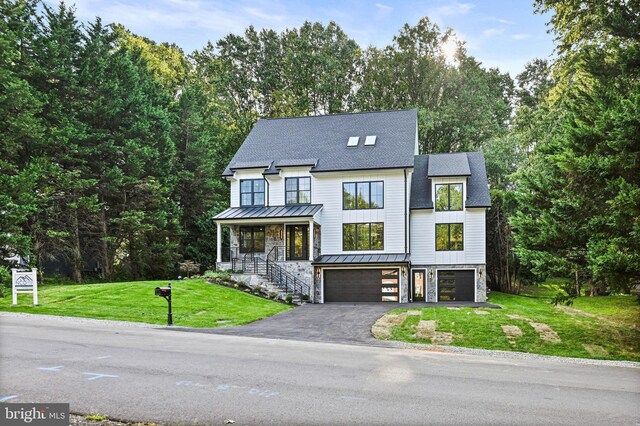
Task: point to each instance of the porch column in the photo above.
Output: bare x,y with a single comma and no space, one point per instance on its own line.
311,239
219,242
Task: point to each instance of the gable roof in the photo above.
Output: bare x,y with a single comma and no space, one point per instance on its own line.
321,142
477,183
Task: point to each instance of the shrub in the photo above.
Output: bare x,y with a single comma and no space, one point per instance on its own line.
273,295
289,298
189,267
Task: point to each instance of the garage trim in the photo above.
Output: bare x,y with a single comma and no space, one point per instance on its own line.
475,281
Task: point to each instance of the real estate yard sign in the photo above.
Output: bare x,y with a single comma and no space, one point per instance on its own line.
24,282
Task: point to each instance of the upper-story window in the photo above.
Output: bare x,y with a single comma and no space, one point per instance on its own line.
363,236
449,237
449,197
297,190
252,192
362,195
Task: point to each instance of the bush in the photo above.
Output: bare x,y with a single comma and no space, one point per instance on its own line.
189,268
5,280
289,298
273,295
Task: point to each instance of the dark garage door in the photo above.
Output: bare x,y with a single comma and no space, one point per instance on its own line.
455,285
361,285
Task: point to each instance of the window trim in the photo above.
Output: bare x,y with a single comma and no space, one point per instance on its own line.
297,191
448,185
449,236
356,236
253,192
356,196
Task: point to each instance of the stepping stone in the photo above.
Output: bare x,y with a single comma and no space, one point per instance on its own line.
511,331
480,312
453,308
596,350
426,329
518,317
381,329
545,332
442,338
414,313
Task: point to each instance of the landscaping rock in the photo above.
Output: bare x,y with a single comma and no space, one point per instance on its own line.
545,332
453,308
481,312
518,317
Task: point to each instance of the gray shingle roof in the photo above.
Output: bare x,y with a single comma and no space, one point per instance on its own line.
352,259
477,184
325,138
262,212
448,165
420,184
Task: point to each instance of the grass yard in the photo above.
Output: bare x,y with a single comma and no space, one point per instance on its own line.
195,303
594,327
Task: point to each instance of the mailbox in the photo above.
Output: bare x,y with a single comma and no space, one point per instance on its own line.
163,291
166,293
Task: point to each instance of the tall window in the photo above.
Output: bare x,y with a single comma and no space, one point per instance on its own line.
362,195
449,197
449,237
297,190
363,236
252,192
252,239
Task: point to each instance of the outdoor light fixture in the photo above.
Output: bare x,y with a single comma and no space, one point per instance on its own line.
404,272
480,272
430,274
318,274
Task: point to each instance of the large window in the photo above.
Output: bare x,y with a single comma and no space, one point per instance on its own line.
449,197
252,239
363,236
297,190
362,195
252,192
449,237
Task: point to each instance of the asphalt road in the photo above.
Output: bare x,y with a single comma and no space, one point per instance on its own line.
170,377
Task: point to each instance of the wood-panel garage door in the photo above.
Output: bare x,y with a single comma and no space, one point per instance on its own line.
361,285
456,285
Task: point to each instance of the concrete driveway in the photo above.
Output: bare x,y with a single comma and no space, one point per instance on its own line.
348,323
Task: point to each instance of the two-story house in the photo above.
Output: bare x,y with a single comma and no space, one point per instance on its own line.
344,205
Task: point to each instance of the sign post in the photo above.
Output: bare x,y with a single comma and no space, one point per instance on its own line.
24,282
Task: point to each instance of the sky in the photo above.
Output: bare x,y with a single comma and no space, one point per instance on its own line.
499,33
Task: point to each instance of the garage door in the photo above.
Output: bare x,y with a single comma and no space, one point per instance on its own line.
361,285
456,285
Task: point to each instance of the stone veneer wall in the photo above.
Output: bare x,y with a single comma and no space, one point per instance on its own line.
481,282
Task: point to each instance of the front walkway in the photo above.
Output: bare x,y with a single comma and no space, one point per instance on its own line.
348,323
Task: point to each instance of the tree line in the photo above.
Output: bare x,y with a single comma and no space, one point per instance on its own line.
112,145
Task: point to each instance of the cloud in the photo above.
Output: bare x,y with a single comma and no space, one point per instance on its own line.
383,10
492,32
259,13
521,36
455,8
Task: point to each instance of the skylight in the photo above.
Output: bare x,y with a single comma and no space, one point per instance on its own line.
371,140
353,141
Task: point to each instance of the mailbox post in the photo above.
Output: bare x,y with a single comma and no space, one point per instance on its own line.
166,293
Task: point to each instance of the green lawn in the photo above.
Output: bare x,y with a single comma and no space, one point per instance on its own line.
594,327
196,303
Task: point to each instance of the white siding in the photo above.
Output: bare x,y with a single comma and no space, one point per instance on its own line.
475,236
327,190
423,240
423,230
